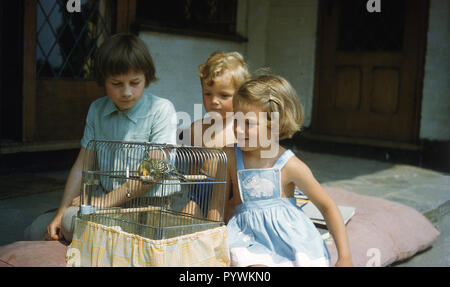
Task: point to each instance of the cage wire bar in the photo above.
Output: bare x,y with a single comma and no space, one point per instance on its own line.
157,191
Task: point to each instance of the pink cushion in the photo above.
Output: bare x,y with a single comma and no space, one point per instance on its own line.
33,253
381,231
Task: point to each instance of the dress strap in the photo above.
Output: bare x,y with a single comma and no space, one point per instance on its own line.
239,159
282,160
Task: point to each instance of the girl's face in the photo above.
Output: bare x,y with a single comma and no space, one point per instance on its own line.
219,96
125,90
249,123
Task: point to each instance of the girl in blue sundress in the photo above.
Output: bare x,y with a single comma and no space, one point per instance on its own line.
265,226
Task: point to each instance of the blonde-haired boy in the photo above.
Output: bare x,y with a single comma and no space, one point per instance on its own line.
221,75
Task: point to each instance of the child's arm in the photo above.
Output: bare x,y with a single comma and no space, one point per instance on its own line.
303,178
192,206
218,199
71,190
118,196
126,192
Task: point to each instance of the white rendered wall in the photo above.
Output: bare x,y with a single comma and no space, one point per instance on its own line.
176,59
281,35
435,121
291,46
256,33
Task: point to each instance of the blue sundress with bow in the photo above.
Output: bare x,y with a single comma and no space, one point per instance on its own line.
268,229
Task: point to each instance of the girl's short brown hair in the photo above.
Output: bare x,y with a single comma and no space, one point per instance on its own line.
121,54
219,62
273,94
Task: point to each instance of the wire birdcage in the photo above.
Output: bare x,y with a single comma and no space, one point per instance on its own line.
156,191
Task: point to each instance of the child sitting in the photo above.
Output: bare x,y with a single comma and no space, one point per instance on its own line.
124,66
221,75
266,227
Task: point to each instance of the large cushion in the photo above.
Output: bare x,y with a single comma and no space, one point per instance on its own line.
381,231
33,253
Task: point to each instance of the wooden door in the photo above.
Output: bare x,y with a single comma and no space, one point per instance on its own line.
370,69
59,48
11,53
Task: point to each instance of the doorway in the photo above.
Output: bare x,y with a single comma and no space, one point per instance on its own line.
370,70
11,49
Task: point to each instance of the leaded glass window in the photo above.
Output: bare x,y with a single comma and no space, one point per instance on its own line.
66,42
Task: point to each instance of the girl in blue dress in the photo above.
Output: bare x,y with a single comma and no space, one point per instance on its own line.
265,226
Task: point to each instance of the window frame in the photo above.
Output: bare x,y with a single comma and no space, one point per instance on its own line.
140,25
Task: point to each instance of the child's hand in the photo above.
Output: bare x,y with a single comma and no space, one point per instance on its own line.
75,201
53,229
344,262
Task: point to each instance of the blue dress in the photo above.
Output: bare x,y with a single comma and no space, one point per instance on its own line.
268,229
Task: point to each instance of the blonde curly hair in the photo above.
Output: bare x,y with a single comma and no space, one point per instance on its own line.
219,62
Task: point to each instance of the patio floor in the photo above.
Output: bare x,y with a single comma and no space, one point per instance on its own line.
24,196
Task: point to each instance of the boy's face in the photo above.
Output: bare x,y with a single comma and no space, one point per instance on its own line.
219,96
125,90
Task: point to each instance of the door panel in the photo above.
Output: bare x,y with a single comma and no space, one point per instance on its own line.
62,108
348,88
385,91
368,68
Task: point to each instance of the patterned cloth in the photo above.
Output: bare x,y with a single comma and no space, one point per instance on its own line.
268,229
95,245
